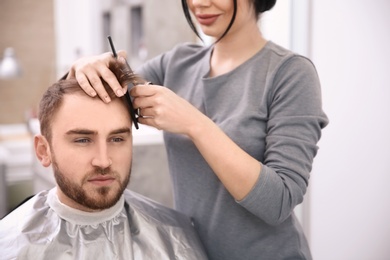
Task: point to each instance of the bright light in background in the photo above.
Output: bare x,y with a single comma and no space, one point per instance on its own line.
9,66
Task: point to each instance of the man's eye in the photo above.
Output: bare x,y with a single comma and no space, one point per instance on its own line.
117,139
82,140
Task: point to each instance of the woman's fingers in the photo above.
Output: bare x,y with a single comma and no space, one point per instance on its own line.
146,112
122,54
84,84
163,109
142,94
146,91
90,72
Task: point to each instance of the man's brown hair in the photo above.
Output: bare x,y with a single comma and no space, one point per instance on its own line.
53,97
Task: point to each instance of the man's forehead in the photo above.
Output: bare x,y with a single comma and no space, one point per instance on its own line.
83,112
90,106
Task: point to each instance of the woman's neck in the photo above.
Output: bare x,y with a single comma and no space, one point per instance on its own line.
234,49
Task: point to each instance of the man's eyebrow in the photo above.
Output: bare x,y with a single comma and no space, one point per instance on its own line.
122,130
81,132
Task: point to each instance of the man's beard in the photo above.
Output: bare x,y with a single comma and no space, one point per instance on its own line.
78,194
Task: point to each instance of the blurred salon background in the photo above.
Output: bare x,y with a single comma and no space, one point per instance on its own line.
346,211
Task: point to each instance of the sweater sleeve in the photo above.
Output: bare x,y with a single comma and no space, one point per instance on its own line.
295,120
155,69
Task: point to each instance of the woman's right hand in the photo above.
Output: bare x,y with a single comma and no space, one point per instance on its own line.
90,71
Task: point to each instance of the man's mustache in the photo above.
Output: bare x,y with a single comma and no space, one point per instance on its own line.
102,171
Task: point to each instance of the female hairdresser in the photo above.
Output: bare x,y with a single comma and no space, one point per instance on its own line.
241,121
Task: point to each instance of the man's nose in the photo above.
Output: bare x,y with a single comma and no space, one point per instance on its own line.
102,157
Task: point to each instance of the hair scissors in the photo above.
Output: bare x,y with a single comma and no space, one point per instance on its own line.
134,81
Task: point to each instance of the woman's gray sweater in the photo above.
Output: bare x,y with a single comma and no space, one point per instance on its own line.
271,107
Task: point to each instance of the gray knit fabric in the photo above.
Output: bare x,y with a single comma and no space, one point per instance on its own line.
271,107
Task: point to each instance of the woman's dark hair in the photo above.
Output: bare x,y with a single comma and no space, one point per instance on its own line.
261,6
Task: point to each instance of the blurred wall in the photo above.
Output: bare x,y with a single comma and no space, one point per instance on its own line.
82,28
350,194
27,26
48,35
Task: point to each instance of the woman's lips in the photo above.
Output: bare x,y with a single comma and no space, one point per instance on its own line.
206,19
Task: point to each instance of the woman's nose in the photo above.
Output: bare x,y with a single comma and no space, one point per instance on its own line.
199,3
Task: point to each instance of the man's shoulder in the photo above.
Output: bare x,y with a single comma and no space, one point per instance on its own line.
154,210
27,208
26,217
162,224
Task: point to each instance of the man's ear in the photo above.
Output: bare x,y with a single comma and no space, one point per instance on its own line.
42,150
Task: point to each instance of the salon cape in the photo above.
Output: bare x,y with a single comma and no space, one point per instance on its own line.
134,228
